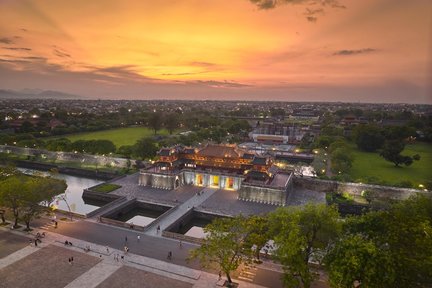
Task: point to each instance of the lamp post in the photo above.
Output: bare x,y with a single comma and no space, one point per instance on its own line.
63,198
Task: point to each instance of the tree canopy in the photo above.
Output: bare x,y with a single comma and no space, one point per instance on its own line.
390,248
224,245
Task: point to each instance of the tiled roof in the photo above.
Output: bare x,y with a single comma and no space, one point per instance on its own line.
164,152
189,150
248,156
259,161
257,175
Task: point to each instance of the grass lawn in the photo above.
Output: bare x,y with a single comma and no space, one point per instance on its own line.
119,136
367,165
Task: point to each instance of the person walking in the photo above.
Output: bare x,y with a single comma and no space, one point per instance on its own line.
169,257
180,244
220,275
158,229
55,224
107,249
138,238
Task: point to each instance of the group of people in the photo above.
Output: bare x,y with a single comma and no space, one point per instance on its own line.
71,260
116,257
37,238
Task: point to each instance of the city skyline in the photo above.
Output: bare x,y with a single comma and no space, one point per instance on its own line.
373,51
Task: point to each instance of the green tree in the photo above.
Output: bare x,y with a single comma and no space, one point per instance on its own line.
155,122
391,152
62,144
400,236
356,261
125,150
145,148
38,190
319,163
24,195
258,234
341,160
224,245
12,195
103,147
172,122
302,235
368,137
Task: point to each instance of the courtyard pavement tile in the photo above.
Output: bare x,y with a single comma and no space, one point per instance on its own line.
9,243
134,278
48,267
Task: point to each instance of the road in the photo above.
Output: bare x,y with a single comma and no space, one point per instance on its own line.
150,246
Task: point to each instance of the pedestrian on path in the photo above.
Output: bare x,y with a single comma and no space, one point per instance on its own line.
69,260
158,229
138,238
180,244
169,257
72,260
220,275
126,239
107,249
55,224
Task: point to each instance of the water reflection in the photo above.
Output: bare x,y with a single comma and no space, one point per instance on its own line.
74,191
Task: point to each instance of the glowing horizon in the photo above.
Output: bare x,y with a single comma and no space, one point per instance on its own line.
220,49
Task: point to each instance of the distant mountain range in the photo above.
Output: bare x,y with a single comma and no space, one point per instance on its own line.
36,94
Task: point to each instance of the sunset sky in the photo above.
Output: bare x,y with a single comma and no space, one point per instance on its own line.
291,50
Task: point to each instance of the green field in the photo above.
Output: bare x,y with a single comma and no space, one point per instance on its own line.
119,136
367,165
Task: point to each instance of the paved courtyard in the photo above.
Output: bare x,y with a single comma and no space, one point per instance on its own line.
131,189
134,278
47,267
10,243
225,202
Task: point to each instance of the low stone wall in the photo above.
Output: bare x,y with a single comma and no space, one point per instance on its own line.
161,181
262,195
70,213
356,189
121,224
111,200
182,237
184,219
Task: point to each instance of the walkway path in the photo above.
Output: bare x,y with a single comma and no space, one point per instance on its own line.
24,252
179,211
101,271
95,275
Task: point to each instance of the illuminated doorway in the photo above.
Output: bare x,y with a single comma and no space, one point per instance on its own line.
215,181
230,183
199,180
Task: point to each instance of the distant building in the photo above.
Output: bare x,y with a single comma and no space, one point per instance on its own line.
278,133
228,167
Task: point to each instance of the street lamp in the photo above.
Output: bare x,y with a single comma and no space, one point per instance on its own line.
63,198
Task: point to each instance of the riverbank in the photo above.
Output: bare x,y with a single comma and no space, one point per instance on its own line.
78,172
